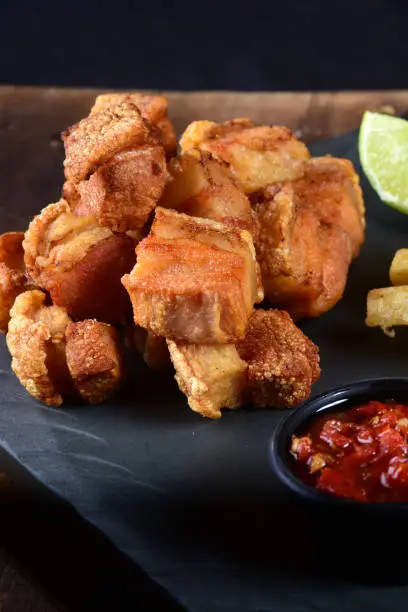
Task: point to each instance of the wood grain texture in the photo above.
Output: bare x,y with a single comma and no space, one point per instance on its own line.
31,155
31,120
314,115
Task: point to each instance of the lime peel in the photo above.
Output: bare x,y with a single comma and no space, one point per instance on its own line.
383,149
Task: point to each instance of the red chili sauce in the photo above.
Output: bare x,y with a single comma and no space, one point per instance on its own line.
361,454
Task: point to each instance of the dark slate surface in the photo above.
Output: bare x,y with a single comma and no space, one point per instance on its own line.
192,501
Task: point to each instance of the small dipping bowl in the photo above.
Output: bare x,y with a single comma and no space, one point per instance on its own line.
365,542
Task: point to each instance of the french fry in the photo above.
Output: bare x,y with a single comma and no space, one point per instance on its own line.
399,268
387,308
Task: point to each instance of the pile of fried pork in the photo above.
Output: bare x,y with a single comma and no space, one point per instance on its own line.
172,251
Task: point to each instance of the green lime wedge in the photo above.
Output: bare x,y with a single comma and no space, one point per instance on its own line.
383,149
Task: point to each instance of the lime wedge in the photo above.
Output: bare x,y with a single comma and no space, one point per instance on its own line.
383,148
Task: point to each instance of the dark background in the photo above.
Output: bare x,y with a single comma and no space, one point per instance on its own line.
256,44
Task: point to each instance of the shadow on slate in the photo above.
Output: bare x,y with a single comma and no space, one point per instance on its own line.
72,559
191,502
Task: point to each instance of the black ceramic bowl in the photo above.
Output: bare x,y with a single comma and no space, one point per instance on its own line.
367,542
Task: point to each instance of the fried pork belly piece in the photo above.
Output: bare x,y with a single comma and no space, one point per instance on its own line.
212,377
122,193
331,188
169,224
304,261
195,280
54,358
282,362
94,359
13,279
202,186
258,155
36,341
79,263
274,365
152,107
97,138
115,167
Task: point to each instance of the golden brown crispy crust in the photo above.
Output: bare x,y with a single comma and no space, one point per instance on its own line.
36,341
202,186
96,139
13,279
287,249
55,223
79,263
54,358
187,291
258,155
199,132
151,107
211,376
93,289
169,224
282,362
94,359
331,188
336,250
195,280
169,136
123,192
115,164
304,261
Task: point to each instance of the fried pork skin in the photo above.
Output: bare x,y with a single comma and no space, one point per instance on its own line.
282,362
195,280
258,155
153,108
54,358
275,365
169,224
212,377
304,261
13,279
36,341
97,138
115,167
94,359
122,193
79,263
202,186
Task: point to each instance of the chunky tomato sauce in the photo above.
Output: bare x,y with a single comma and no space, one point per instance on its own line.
361,454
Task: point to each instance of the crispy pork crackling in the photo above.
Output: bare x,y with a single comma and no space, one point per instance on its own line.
195,280
79,263
258,155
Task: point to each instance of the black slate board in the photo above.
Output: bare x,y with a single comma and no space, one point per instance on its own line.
193,502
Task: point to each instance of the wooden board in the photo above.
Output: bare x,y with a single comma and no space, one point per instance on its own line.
312,115
31,120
